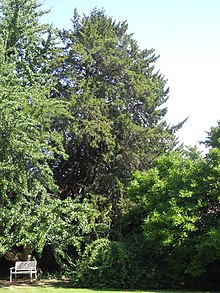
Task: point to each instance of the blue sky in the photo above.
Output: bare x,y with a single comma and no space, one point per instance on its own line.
186,35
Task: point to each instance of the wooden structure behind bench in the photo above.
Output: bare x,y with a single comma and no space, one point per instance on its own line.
24,267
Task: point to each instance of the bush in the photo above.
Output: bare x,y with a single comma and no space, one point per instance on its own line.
114,264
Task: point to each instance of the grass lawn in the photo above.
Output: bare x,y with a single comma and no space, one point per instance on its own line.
56,287
70,290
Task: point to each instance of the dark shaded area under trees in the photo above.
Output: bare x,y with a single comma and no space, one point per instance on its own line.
94,183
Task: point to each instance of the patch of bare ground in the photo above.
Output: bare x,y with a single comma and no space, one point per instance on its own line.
4,283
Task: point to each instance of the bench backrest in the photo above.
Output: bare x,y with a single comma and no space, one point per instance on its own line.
25,265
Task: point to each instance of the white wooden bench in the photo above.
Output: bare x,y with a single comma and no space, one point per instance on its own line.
24,267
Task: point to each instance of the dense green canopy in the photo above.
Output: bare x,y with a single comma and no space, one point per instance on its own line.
117,107
89,168
27,141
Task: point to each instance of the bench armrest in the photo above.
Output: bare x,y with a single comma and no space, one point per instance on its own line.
11,269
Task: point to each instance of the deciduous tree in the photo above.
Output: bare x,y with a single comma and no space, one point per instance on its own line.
27,139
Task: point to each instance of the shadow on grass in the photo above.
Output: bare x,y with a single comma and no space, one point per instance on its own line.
64,284
22,282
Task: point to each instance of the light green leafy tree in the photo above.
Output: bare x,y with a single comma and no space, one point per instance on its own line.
180,196
27,112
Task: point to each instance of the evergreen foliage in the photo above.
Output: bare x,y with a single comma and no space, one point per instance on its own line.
117,107
89,166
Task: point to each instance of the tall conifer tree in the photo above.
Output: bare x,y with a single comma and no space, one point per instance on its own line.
118,107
